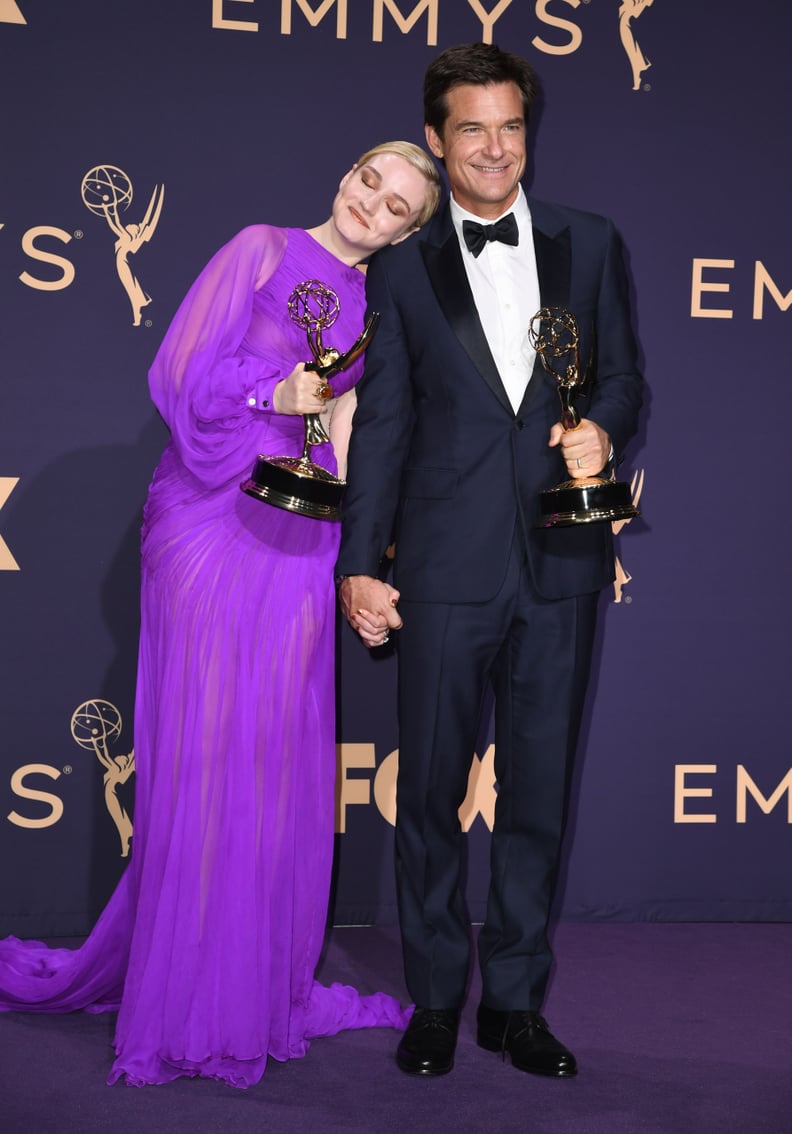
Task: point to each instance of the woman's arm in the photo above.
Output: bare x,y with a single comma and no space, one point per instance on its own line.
209,391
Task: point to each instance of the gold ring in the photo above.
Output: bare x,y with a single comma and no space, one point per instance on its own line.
324,391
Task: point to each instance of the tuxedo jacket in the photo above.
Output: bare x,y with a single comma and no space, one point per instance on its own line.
439,462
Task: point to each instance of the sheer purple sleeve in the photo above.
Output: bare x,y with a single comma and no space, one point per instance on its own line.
208,388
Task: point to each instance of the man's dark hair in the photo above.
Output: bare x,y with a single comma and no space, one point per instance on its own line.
480,64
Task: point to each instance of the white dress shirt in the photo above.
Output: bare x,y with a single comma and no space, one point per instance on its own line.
505,287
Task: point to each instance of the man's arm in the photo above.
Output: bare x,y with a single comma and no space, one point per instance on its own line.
618,390
611,414
377,452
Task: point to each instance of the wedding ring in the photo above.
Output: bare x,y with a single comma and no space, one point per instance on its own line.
579,463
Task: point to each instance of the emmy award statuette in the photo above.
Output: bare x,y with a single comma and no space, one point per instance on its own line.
296,483
555,337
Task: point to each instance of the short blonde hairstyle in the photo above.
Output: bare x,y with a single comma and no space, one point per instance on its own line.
419,159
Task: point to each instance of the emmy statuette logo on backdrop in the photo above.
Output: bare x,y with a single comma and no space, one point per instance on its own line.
7,561
94,726
11,13
623,577
630,10
106,192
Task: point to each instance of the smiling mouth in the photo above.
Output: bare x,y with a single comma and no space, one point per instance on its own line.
359,217
490,168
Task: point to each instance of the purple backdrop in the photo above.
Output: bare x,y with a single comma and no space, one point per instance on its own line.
222,113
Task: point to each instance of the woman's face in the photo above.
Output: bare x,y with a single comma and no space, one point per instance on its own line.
378,203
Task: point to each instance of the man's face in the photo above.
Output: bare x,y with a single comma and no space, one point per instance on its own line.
483,146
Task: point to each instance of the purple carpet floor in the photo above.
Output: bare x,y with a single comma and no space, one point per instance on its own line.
678,1029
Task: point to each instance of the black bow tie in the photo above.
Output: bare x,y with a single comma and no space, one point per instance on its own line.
476,235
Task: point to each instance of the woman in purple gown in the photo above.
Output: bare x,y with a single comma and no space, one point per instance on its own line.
209,943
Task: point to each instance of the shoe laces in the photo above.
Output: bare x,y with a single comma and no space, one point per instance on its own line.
433,1019
519,1022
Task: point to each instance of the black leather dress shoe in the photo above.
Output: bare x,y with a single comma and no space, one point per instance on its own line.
428,1045
528,1040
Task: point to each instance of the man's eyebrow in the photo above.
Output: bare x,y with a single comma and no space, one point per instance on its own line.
518,120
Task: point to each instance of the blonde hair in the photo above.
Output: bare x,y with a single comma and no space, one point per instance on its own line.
418,159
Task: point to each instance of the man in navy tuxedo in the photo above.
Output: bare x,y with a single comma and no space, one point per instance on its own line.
456,433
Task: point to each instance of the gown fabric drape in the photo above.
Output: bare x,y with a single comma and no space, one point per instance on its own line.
209,943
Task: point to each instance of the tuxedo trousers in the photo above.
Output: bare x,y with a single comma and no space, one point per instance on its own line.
535,655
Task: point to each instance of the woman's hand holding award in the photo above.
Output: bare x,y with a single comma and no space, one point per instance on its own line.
297,483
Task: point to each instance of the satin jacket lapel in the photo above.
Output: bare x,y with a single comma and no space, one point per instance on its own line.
553,266
447,275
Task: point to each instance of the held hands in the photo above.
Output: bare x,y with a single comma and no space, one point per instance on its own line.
585,449
369,606
297,393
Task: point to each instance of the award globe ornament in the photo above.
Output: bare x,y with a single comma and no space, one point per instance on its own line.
106,187
95,724
554,335
297,483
